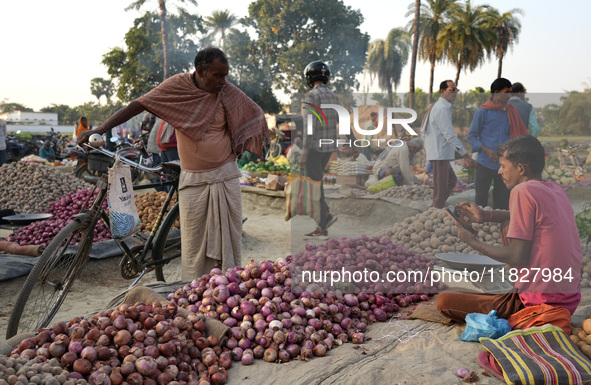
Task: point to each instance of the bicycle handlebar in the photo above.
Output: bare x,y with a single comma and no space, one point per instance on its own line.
104,151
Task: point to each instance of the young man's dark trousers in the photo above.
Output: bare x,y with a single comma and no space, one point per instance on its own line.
482,181
444,181
315,166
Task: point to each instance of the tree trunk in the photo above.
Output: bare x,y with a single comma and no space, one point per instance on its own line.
164,31
415,49
458,70
391,104
500,70
431,78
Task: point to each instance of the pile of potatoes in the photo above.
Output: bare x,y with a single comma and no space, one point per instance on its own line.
148,207
417,192
433,232
582,337
28,187
586,273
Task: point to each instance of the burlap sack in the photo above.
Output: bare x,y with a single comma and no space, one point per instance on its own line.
8,346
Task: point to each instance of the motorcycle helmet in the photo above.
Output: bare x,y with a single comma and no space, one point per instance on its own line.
316,70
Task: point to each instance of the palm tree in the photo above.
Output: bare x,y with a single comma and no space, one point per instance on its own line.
137,4
220,21
468,38
507,27
433,19
386,58
415,47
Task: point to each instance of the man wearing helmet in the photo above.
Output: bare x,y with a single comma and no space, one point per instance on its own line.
316,153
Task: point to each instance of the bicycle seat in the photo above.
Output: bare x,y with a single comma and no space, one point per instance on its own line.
91,179
173,166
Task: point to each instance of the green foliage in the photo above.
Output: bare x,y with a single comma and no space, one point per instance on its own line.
101,87
386,58
573,117
583,220
249,71
469,37
220,22
292,33
139,67
8,107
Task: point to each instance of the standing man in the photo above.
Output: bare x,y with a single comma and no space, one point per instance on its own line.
441,143
316,154
494,123
3,134
215,123
525,109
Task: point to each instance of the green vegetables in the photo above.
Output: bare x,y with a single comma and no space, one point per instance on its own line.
583,220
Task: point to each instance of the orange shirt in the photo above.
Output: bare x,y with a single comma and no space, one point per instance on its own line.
214,150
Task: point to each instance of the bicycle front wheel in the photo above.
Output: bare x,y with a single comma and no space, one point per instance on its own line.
167,248
50,280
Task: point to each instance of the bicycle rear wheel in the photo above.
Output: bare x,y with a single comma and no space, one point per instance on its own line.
168,245
50,280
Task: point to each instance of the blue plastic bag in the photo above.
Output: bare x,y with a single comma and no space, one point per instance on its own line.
485,325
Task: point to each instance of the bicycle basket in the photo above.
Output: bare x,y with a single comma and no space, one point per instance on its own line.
99,162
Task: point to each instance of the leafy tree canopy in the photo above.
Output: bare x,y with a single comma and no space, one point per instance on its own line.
248,71
139,67
8,107
292,33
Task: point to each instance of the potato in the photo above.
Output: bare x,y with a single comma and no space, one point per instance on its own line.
575,339
582,335
586,349
587,326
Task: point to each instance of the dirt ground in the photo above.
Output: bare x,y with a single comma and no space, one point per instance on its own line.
401,351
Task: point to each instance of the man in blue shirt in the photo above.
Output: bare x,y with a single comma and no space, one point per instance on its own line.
46,152
489,129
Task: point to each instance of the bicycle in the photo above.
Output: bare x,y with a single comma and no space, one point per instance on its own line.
54,273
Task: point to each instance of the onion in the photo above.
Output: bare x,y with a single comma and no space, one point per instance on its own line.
57,348
82,366
146,366
123,337
275,325
358,338
270,355
247,308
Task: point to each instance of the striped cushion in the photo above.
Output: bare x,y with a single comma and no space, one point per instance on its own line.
539,355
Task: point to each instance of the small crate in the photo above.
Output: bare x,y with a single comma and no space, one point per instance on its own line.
99,162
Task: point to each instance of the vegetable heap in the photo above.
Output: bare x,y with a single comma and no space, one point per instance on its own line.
42,232
141,344
274,319
31,187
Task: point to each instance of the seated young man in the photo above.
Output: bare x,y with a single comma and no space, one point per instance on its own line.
543,247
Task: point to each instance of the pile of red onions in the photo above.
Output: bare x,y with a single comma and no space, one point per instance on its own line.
139,344
272,318
42,232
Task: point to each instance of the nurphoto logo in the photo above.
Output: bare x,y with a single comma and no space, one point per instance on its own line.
345,125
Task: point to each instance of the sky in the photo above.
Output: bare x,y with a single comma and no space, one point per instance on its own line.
51,50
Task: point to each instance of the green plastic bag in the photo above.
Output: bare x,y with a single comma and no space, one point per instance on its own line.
383,184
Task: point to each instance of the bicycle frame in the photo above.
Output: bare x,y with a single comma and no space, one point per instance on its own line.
96,211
